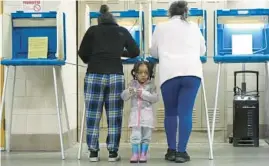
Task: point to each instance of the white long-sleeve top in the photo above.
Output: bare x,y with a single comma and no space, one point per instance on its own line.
178,45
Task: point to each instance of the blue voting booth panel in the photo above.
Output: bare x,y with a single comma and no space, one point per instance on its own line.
21,31
193,12
134,32
123,14
224,33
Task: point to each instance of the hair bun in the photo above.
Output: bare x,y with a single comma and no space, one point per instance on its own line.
182,4
104,9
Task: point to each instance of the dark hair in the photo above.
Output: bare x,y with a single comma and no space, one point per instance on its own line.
179,8
104,9
150,67
105,15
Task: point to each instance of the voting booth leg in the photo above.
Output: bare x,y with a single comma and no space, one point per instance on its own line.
65,106
3,95
58,111
215,105
266,84
81,132
207,121
9,126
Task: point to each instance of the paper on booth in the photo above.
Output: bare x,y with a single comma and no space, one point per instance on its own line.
242,44
37,47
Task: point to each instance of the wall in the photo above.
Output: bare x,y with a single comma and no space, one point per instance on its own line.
35,125
224,111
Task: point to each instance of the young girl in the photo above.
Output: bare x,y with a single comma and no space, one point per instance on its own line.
142,93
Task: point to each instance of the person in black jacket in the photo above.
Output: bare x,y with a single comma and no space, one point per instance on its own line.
102,48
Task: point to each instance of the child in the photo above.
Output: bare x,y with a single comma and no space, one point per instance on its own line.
142,93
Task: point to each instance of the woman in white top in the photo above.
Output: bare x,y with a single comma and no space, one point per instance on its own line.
178,44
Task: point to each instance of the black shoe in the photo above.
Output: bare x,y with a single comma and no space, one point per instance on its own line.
113,157
170,155
182,157
93,156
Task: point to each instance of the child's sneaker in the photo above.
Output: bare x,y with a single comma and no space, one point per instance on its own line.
93,156
135,154
113,156
144,151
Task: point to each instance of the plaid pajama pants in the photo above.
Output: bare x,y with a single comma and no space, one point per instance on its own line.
99,90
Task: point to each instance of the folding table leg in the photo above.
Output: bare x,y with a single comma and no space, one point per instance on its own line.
215,105
65,105
81,132
9,126
207,121
58,111
2,104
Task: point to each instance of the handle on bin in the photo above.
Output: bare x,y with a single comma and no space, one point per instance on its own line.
248,71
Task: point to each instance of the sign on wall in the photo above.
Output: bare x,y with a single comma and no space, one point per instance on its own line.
32,5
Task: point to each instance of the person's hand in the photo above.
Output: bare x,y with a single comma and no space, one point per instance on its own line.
131,90
139,91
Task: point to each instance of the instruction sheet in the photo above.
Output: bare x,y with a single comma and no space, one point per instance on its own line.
37,47
242,44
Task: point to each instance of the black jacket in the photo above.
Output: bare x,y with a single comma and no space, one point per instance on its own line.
103,46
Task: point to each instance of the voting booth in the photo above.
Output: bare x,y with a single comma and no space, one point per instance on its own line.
38,39
237,27
35,39
133,21
198,16
241,36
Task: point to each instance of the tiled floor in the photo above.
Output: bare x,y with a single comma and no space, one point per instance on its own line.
225,154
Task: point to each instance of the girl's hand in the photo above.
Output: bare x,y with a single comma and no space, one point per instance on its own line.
131,90
139,91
